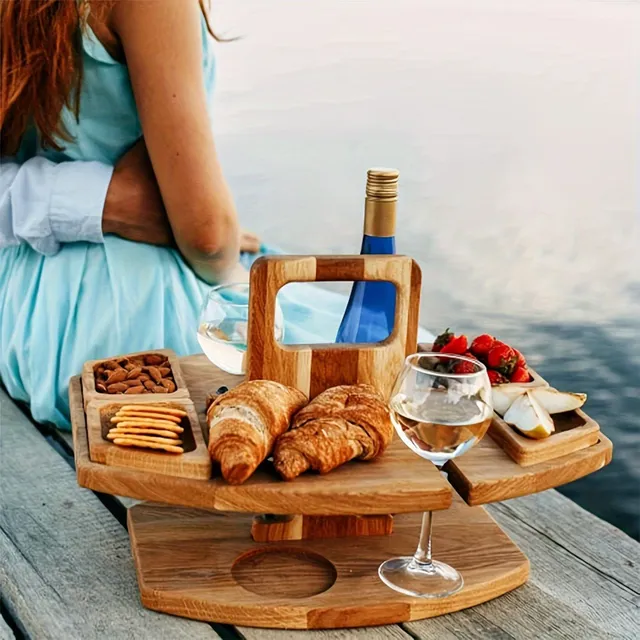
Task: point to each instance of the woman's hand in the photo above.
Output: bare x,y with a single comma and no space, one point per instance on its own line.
249,242
133,208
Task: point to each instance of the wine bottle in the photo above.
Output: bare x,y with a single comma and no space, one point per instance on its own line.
370,312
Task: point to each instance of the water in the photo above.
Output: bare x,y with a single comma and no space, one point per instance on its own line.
514,126
225,349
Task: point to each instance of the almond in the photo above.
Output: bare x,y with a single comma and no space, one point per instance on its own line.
164,371
169,385
117,376
149,384
143,377
154,372
132,383
134,373
159,389
153,359
118,387
110,364
138,389
129,366
100,387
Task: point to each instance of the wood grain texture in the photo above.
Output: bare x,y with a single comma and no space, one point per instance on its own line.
585,581
391,483
329,583
484,474
314,368
575,430
65,564
299,527
89,382
193,463
390,632
487,474
5,631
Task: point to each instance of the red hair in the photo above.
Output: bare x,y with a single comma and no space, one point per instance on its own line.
41,68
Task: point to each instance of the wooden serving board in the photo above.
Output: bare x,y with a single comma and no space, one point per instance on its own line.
314,368
398,482
199,564
193,463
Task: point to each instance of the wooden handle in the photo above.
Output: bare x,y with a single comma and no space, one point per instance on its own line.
314,368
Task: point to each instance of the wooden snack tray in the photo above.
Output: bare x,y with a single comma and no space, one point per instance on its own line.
193,463
89,382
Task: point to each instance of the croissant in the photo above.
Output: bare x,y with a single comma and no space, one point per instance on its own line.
245,422
342,423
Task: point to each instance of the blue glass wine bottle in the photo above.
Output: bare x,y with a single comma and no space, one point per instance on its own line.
371,308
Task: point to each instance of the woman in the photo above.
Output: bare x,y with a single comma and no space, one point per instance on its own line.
70,111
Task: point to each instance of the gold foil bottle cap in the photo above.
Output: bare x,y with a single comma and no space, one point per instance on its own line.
382,184
380,203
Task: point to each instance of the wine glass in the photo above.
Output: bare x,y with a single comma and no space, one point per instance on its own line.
441,407
223,324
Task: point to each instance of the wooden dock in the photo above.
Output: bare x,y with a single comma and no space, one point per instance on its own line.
66,570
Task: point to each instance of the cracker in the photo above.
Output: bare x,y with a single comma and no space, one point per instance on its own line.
148,414
136,442
154,408
144,422
150,432
171,441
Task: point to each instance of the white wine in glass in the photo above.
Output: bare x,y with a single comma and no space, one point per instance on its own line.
440,407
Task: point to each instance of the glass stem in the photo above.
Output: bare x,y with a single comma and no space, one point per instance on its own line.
422,556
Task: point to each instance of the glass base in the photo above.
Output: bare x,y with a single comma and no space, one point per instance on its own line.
433,580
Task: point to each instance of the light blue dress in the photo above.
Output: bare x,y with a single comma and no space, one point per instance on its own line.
62,304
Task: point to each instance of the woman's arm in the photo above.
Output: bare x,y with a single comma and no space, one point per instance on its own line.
163,47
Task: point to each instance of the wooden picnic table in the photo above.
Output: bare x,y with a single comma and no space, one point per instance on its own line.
66,570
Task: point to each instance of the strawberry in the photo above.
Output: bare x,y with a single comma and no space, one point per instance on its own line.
482,345
442,339
457,345
521,362
470,356
464,367
520,374
502,358
495,377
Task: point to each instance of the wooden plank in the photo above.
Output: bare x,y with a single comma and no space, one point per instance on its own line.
66,570
5,631
584,579
394,632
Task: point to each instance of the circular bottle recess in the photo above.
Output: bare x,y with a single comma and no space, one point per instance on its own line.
261,571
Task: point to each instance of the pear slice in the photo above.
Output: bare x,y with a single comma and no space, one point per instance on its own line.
504,395
529,417
555,401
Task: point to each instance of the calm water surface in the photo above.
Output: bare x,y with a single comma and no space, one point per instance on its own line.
514,125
